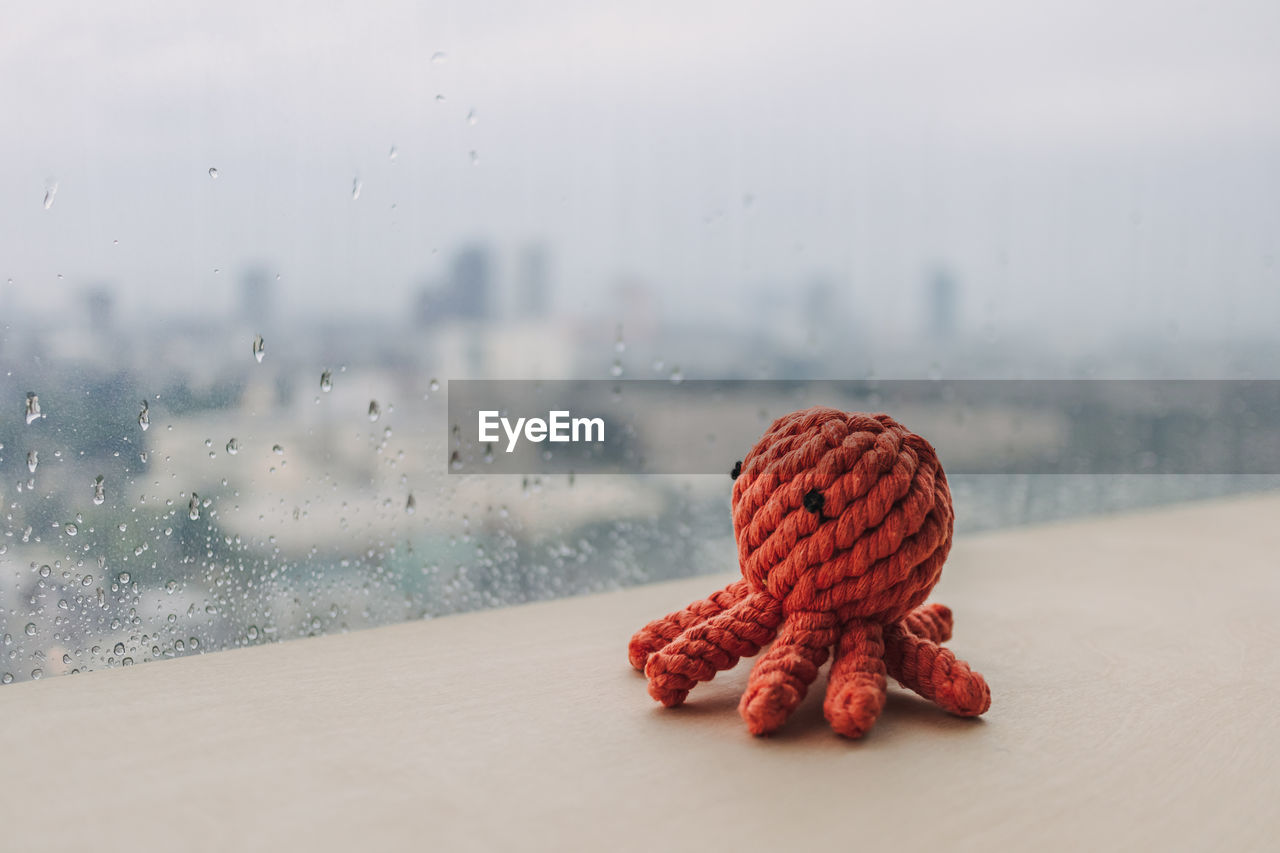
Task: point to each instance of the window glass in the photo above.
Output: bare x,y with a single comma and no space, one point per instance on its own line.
244,246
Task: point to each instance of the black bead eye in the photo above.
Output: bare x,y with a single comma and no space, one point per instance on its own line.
737,469
813,501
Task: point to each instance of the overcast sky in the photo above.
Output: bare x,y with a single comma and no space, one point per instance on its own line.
1077,164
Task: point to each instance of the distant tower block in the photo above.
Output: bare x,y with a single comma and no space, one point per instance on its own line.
257,295
942,305
535,282
99,302
471,280
464,295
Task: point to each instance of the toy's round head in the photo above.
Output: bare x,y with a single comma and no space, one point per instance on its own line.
844,512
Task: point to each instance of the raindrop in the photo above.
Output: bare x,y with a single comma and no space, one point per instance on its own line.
7,678
435,385
71,529
213,173
123,578
616,369
410,505
37,674
233,446
438,58
619,344
99,491
48,196
374,411
31,629
475,158
252,632
326,381
33,408
119,649
356,186
193,508
472,118
259,348
144,417
676,376
439,99
277,449
33,459
393,153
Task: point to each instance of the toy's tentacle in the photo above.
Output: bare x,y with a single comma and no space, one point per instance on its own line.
935,673
856,686
713,645
930,621
781,678
659,632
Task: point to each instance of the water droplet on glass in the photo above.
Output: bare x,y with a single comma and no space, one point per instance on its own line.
33,460
277,449
439,58
326,381
37,674
434,385
123,578
193,508
48,196
374,411
71,529
410,505
33,407
475,158
356,186
252,632
259,348
676,376
213,173
472,118
119,649
99,491
616,369
46,570
144,417
7,678
233,446
31,629
393,153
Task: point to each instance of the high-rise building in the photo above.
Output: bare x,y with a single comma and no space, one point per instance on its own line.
257,295
942,299
465,295
100,303
535,282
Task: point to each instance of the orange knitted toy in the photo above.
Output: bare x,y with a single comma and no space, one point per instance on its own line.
843,522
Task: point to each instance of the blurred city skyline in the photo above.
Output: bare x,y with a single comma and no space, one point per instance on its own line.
1079,182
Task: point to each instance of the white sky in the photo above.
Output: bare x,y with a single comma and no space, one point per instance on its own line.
1078,164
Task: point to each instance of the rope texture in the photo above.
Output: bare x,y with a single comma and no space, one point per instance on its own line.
843,522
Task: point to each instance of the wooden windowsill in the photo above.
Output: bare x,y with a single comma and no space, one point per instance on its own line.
1130,659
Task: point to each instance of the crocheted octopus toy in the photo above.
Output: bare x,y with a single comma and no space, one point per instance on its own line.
843,522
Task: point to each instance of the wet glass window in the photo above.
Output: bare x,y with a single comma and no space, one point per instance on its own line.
244,247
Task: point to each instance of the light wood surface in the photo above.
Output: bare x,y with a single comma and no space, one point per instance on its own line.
1131,662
